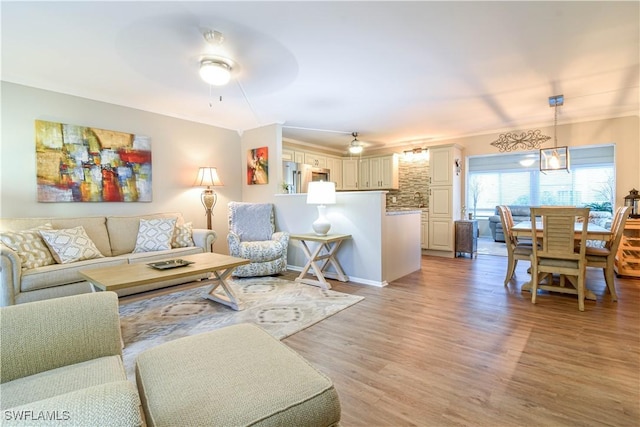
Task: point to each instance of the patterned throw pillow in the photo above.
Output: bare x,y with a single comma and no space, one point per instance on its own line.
70,245
29,246
183,236
155,234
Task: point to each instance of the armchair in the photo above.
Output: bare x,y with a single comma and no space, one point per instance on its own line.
252,236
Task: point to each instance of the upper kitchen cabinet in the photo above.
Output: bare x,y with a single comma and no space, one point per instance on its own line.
315,160
335,167
442,164
379,173
350,174
289,155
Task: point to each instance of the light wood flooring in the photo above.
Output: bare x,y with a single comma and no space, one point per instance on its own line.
449,345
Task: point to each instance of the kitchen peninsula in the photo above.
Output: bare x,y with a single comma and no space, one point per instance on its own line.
384,246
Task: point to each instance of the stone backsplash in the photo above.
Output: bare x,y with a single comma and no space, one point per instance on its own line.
413,177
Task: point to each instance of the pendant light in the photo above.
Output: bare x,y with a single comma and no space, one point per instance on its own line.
556,158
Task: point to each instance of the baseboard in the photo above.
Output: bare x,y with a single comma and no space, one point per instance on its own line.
352,279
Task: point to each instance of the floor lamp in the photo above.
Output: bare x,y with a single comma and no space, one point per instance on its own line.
208,177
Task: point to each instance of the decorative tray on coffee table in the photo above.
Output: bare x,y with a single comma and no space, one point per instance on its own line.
170,263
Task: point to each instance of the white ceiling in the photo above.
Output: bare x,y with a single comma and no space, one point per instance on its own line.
399,73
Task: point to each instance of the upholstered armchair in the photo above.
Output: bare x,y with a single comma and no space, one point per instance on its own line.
252,236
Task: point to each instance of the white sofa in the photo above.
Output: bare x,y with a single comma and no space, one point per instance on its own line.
115,238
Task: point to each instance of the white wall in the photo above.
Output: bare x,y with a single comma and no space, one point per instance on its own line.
357,213
266,136
179,147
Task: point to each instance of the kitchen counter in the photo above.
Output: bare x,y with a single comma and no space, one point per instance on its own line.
405,211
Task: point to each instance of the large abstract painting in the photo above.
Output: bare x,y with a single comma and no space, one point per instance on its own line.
84,164
258,166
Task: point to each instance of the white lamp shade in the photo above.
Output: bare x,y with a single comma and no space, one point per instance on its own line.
321,193
207,177
216,73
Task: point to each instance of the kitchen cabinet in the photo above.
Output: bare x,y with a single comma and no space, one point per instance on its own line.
628,256
315,160
441,236
442,165
289,155
444,196
424,230
335,166
379,173
350,174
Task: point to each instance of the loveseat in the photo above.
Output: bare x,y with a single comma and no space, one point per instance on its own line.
523,213
62,364
30,269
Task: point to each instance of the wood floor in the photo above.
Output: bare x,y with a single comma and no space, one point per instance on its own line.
450,345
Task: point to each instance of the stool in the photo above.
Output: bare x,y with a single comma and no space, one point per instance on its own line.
235,376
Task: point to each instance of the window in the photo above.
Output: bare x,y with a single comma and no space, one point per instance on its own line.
503,180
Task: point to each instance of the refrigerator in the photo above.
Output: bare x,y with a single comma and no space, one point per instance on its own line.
298,175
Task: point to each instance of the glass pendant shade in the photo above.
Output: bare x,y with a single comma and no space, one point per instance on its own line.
553,159
216,73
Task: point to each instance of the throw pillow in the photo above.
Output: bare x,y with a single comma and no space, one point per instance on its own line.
251,221
183,236
70,245
29,246
155,234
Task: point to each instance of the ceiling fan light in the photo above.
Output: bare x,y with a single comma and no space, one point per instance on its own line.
216,73
355,148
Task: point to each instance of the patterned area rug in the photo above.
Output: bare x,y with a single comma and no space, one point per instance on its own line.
281,307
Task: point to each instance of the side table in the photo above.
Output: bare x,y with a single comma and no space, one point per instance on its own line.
467,237
330,243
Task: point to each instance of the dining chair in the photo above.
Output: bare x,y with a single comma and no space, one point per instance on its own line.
559,251
604,257
515,250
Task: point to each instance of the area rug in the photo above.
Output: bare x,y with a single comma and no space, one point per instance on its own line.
281,307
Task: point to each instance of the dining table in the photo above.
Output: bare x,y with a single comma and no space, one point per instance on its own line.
594,232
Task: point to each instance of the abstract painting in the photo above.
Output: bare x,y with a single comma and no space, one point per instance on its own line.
85,164
258,166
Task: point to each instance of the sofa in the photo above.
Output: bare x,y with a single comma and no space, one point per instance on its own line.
33,269
519,213
62,364
523,213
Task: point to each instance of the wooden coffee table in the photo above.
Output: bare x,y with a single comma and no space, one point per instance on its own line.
131,275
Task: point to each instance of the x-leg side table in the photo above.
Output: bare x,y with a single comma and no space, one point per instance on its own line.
330,243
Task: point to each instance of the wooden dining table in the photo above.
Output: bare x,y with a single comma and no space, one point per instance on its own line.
594,232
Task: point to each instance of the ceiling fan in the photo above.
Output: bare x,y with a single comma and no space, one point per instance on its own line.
355,146
215,66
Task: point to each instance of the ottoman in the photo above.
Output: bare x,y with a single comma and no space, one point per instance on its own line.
235,376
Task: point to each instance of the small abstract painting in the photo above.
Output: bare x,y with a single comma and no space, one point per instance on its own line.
85,164
258,166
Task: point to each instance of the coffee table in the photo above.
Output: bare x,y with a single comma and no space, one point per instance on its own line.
131,275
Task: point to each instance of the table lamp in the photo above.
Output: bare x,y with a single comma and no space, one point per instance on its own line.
208,177
321,193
